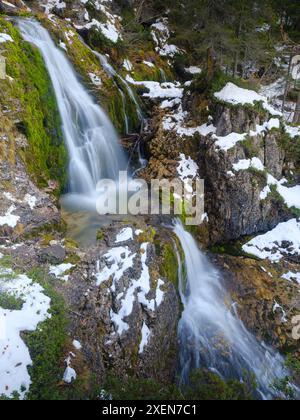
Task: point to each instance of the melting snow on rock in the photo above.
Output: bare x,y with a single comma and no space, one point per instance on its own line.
14,354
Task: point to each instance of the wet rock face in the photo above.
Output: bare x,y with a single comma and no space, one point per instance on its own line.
121,308
274,156
264,300
233,203
11,6
24,208
125,312
237,120
233,198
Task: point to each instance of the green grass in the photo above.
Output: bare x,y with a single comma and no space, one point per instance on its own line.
251,150
203,386
233,249
10,302
46,345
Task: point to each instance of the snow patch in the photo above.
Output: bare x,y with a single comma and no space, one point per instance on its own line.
140,288
69,375
30,200
292,277
149,64
193,70
228,142
159,90
187,168
14,354
9,219
161,34
5,38
125,235
291,196
110,28
235,95
118,261
96,80
59,271
272,245
293,132
145,338
77,345
296,67
246,164
277,307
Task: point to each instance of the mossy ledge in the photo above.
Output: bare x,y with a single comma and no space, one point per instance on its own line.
27,92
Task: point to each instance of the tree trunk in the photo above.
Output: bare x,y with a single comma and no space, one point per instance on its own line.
287,86
297,112
237,54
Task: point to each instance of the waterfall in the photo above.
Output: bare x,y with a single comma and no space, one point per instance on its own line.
163,75
91,140
126,121
110,71
211,334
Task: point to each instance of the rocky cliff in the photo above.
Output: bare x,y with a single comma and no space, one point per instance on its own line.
115,299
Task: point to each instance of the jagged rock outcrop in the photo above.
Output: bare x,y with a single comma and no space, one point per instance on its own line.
123,307
233,202
233,198
264,300
126,319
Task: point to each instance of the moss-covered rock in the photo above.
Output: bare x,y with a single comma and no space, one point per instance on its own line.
27,92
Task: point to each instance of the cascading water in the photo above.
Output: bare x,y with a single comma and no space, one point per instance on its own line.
163,76
126,120
211,334
112,73
210,331
92,142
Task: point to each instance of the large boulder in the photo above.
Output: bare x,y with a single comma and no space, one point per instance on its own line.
124,308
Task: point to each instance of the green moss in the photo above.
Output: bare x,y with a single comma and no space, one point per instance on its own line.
232,248
31,88
143,72
203,386
97,40
72,259
295,211
275,196
15,397
169,266
71,243
52,228
207,386
258,177
6,261
116,106
46,345
251,149
291,148
116,111
100,235
10,302
148,235
132,389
